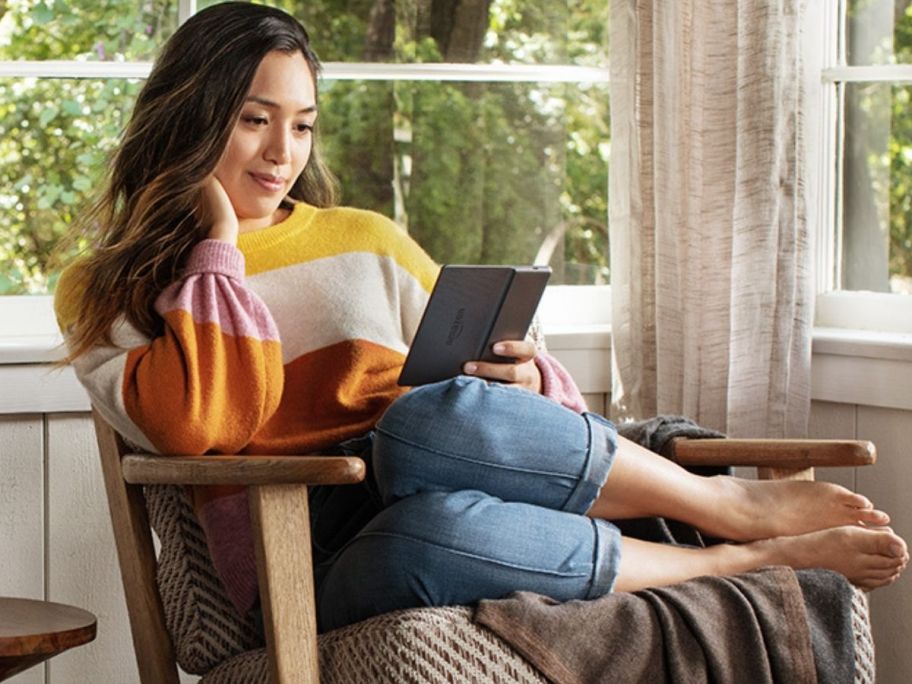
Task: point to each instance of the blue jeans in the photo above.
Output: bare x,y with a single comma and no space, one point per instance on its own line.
484,489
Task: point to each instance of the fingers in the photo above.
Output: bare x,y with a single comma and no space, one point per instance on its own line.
521,350
218,212
523,373
503,372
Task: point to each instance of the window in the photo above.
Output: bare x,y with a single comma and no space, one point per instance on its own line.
480,127
868,74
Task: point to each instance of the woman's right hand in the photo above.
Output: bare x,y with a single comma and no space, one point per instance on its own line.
218,212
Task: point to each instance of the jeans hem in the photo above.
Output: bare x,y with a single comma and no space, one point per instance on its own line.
606,558
599,457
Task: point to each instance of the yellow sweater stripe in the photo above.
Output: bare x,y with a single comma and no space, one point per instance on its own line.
310,233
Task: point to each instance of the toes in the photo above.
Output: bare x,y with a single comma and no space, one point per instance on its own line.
898,549
873,579
888,545
871,517
859,501
884,563
869,584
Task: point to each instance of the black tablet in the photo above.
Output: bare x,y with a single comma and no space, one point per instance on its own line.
471,308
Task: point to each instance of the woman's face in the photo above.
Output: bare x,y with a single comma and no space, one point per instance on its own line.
271,141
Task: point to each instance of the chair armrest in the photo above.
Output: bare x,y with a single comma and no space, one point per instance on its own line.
242,470
772,453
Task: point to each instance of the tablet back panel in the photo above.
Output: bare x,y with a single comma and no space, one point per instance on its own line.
459,319
518,308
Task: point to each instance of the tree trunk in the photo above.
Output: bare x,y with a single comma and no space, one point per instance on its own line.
381,32
459,27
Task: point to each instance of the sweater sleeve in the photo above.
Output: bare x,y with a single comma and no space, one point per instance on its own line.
209,381
557,384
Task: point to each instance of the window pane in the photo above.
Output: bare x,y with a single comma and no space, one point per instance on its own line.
503,31
113,29
488,173
479,173
54,138
877,188
879,32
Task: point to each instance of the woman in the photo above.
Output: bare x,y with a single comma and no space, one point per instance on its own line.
228,307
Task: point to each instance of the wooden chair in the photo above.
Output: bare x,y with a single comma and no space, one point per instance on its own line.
277,487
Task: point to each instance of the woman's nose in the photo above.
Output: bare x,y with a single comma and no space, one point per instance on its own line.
278,148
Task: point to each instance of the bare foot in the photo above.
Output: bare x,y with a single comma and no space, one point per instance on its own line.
762,509
869,558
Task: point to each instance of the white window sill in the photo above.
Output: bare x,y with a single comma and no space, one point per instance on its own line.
849,366
862,367
862,343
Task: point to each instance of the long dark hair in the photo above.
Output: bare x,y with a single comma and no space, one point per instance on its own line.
145,223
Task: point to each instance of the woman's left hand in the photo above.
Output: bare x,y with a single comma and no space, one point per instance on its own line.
523,372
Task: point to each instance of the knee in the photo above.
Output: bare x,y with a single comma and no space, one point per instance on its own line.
432,405
415,432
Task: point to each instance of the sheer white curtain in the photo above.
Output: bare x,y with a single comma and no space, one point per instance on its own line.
711,289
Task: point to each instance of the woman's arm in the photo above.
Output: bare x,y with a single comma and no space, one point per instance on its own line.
211,378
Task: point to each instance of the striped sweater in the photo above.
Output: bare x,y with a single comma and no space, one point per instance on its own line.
288,344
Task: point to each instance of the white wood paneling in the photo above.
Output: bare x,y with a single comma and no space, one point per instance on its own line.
22,506
889,485
22,515
82,562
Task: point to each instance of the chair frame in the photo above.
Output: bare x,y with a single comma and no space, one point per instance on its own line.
277,487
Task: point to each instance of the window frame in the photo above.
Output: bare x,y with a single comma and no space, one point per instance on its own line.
837,308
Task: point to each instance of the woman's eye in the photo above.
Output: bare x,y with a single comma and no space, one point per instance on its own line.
255,120
304,127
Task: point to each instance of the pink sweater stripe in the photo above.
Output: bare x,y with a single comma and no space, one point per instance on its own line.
213,292
216,256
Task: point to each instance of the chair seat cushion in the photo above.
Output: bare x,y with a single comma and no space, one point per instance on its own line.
418,645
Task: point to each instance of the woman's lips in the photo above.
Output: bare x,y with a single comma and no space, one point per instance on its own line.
269,182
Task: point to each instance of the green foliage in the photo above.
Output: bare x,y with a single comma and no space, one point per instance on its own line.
900,154
55,134
482,172
476,172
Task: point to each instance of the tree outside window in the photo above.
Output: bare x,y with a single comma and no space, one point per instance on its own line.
478,172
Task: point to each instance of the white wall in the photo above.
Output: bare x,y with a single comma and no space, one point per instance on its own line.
56,541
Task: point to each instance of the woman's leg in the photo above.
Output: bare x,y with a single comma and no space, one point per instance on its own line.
868,558
471,434
437,549
642,483
467,433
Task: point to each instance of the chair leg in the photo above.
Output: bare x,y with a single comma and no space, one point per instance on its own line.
285,569
136,556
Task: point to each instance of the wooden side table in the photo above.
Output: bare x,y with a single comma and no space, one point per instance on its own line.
32,631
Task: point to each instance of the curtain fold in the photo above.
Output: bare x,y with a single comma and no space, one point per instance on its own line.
712,294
